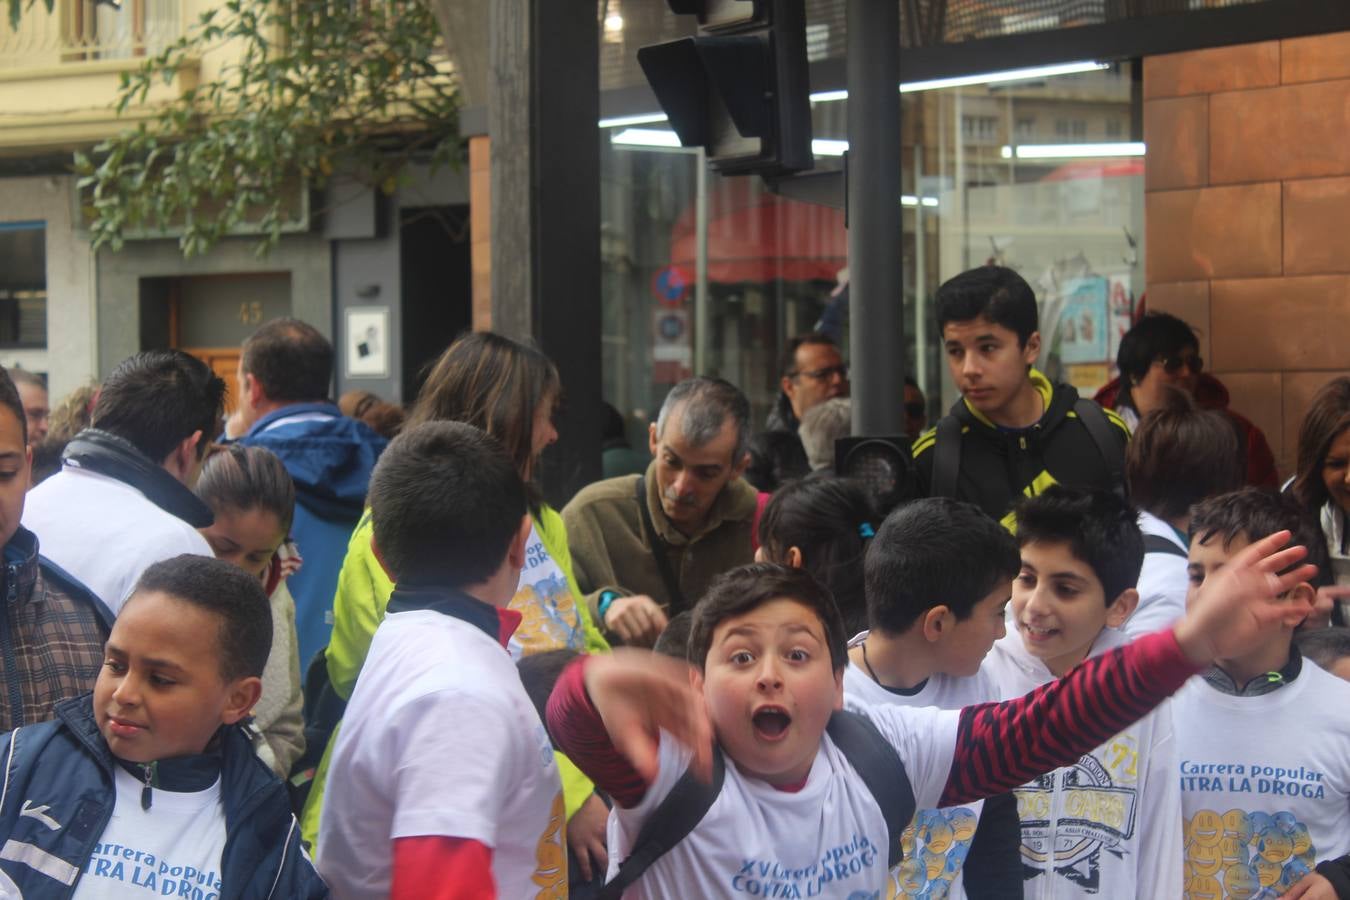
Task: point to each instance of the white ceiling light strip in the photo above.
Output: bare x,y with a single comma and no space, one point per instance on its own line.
1074,151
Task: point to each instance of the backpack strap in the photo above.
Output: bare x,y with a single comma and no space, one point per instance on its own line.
675,596
672,820
1099,429
881,769
946,457
1156,543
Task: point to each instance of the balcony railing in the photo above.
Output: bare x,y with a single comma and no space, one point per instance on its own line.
77,31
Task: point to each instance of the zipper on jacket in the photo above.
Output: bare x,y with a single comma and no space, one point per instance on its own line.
148,774
7,639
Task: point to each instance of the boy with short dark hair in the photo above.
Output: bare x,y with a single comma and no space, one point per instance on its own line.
1110,819
443,781
153,786
1262,738
1013,431
793,815
938,576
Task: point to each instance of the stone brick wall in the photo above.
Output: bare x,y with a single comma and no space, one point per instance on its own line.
1247,205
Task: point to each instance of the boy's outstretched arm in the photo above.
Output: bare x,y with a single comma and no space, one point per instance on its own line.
1000,746
606,713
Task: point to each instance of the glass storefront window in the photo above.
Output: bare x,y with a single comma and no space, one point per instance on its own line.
711,275
1045,177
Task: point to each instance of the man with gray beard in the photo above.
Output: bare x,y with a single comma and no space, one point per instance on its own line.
645,548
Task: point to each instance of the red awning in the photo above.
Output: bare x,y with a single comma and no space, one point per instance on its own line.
756,236
1123,167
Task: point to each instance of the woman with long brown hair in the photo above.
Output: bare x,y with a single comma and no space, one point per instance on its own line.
511,391
1322,486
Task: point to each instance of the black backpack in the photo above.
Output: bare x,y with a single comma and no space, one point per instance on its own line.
947,448
875,760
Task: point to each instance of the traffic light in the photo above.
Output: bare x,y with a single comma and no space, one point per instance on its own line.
740,87
884,466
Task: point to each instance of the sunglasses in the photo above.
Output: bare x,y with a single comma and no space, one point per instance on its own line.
914,410
1174,364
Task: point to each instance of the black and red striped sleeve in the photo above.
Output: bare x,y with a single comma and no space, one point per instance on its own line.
577,729
1000,746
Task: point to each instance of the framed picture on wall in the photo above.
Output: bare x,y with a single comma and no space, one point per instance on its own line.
367,352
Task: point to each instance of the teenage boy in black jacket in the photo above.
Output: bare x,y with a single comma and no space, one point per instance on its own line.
1013,433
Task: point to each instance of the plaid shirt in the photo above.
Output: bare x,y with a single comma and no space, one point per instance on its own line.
52,633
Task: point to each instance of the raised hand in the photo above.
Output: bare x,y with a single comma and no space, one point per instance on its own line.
1311,887
637,620
637,694
1238,606
1327,598
586,837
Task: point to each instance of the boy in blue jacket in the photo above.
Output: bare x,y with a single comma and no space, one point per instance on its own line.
151,785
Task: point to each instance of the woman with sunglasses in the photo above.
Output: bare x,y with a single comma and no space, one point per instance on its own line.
1162,352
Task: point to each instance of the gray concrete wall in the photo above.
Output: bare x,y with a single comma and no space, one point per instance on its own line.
366,269
306,258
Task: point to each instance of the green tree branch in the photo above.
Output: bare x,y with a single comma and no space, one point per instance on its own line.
315,87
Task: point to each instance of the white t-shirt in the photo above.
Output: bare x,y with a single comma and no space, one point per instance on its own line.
104,531
172,849
440,739
549,617
1163,581
938,840
1109,825
1265,783
827,840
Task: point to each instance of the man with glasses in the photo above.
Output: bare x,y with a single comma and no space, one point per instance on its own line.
811,371
1162,352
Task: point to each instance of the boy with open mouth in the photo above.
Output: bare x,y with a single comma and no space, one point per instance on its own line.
794,817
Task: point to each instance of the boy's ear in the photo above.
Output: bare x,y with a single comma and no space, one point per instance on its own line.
1301,597
182,459
838,689
241,697
696,679
1121,607
379,558
515,554
1032,351
936,622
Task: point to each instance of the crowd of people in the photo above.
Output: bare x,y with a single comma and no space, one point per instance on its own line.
319,648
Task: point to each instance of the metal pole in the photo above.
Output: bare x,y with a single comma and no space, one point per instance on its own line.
876,329
920,278
701,265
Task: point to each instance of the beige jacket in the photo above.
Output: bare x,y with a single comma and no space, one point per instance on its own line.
278,723
610,550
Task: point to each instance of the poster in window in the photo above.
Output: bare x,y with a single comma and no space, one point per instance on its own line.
1083,332
367,342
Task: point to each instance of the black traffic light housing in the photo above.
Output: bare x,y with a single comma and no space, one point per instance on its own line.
741,87
884,466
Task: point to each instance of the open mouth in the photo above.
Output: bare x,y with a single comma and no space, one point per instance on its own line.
1035,633
771,723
